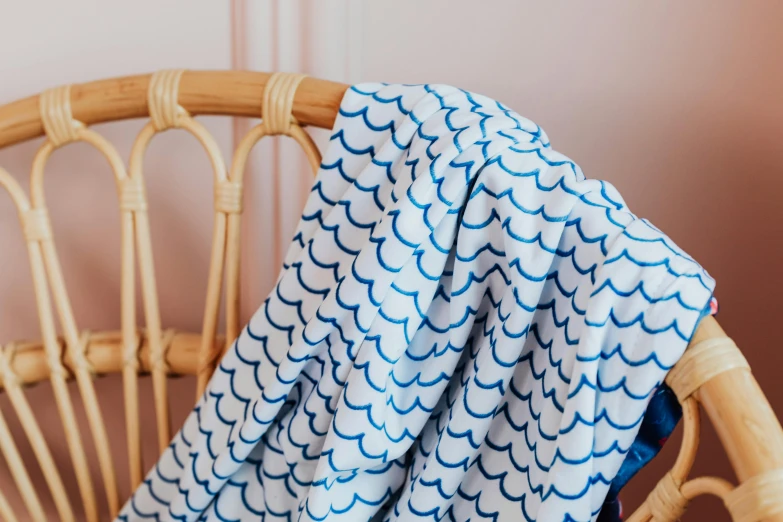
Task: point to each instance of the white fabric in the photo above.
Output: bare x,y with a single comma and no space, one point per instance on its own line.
464,329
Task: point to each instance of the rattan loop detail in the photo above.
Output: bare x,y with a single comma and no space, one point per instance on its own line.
132,195
666,502
10,379
79,354
54,106
35,222
278,102
130,356
158,360
702,362
758,498
56,366
228,197
162,99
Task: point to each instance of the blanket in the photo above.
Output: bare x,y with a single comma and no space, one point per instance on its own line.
464,328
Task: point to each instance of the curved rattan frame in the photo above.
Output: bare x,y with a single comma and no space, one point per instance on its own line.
712,374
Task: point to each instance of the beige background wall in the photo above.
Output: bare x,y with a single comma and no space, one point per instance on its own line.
677,104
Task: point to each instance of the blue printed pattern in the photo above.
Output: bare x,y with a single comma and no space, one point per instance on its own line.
465,328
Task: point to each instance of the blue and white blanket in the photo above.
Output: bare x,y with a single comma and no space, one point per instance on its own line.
465,328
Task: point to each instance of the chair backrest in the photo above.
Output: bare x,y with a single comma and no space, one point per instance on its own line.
712,373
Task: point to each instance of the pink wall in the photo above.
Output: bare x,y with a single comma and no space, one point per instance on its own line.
678,104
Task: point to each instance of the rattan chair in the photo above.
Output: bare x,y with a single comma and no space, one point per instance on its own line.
712,373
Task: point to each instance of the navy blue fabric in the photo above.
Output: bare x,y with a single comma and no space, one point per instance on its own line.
663,414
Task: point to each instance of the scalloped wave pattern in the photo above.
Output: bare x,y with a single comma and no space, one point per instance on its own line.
464,329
